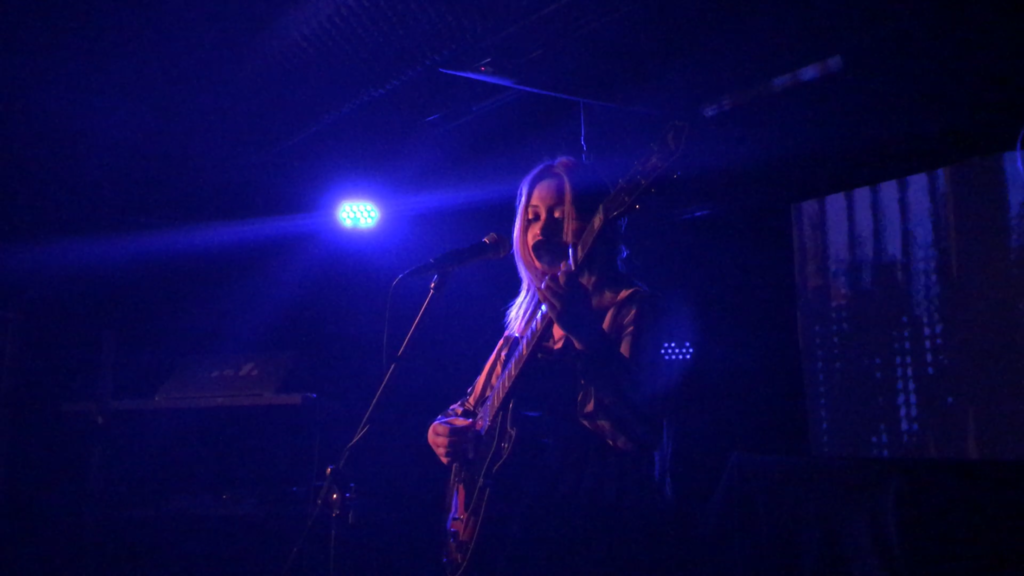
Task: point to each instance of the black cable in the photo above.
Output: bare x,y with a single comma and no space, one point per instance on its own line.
1020,164
387,315
583,135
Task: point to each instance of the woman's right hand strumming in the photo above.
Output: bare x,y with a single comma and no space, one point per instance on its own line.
450,438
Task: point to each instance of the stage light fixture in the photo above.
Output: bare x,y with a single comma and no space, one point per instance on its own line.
357,214
670,351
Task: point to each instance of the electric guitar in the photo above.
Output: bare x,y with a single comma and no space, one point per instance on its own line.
471,479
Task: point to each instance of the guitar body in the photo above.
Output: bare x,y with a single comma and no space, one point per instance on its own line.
470,488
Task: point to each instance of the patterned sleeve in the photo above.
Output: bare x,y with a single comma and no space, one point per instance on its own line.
620,386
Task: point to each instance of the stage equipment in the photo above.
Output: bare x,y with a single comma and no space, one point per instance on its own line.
492,246
357,214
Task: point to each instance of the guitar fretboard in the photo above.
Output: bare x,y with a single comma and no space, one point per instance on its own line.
527,340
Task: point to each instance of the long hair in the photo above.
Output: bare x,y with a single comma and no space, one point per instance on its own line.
584,192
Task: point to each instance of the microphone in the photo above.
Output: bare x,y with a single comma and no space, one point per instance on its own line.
493,246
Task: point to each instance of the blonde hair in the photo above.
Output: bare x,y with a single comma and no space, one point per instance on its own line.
588,186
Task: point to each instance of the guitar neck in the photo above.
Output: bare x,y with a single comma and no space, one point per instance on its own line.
527,340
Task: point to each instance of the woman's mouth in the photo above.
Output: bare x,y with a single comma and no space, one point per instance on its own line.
550,253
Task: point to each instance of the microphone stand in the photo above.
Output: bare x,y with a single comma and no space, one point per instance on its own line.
329,486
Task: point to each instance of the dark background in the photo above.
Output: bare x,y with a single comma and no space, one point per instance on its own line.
168,174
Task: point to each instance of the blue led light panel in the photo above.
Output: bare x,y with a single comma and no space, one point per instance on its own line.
358,214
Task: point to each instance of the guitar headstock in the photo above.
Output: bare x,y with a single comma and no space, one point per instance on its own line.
621,200
665,151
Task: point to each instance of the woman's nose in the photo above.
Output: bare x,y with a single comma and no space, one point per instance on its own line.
551,228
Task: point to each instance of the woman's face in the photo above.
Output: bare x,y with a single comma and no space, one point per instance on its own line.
545,225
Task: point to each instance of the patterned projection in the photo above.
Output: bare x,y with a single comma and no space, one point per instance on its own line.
911,304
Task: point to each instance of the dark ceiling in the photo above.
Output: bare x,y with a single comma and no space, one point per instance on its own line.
127,115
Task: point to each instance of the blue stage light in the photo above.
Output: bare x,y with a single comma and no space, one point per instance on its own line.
357,214
670,351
